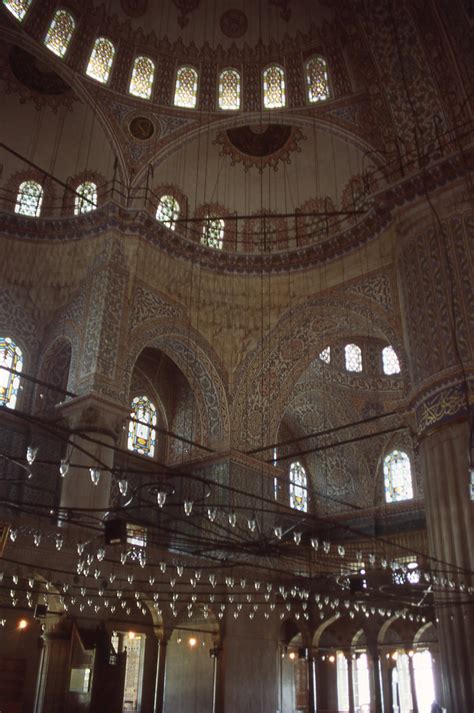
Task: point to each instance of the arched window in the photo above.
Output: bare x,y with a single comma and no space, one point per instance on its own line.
29,199
143,75
18,8
60,32
274,91
186,87
141,429
168,211
85,199
213,233
298,487
11,357
317,79
390,362
353,357
229,90
397,477
101,59
325,355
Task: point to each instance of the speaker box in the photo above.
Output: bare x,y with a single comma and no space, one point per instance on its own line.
115,532
40,611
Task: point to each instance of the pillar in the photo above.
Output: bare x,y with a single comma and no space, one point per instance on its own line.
312,703
160,676
377,699
435,276
350,682
411,673
96,425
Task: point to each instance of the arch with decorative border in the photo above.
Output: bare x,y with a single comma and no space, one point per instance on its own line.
277,362
195,358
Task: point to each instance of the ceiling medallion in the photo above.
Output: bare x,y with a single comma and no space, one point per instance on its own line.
260,146
141,128
185,7
234,23
134,8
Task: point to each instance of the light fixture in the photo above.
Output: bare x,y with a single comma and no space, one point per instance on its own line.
64,467
123,486
95,475
31,454
188,507
161,498
22,624
192,642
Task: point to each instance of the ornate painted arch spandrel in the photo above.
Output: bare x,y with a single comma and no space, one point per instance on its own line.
268,375
195,359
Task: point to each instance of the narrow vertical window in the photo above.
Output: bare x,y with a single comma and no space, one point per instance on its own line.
213,233
298,487
143,75
142,425
11,357
29,199
186,87
229,90
86,198
274,91
397,477
168,211
317,79
353,357
390,362
101,59
18,8
60,32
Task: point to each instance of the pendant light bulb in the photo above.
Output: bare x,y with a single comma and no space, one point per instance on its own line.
252,524
64,467
211,514
278,532
95,475
232,519
161,498
123,486
31,454
188,507
297,537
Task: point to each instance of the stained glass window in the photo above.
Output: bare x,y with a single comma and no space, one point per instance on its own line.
168,211
274,93
317,79
325,355
86,198
397,477
141,428
213,233
353,357
29,199
60,32
100,61
143,75
229,89
186,87
11,357
298,487
390,362
19,8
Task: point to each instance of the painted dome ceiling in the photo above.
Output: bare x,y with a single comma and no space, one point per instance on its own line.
222,23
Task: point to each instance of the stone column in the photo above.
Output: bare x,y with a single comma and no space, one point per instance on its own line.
411,673
435,275
96,424
377,700
450,522
160,675
350,680
312,704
